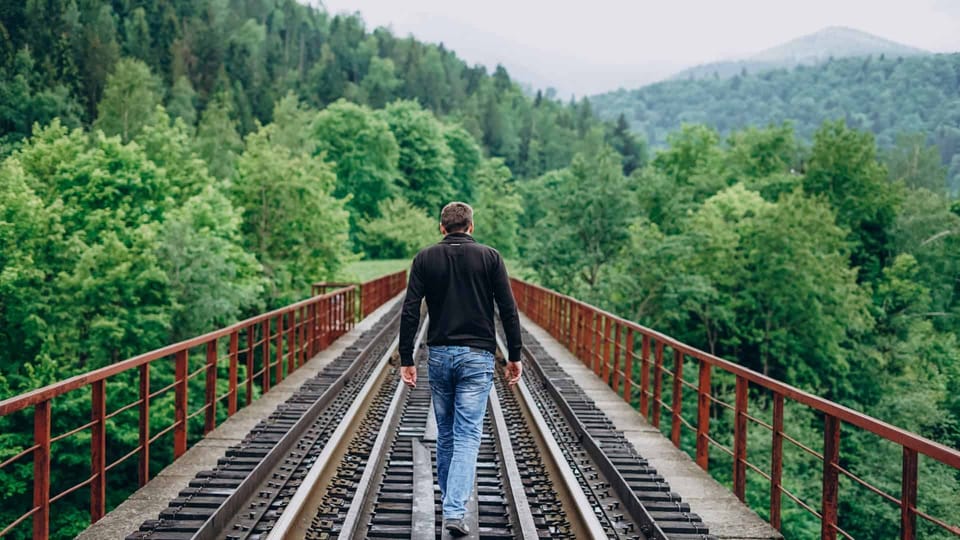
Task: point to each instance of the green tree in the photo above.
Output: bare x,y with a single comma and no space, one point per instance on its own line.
212,279
218,142
498,208
401,230
106,281
381,83
585,223
136,30
691,150
25,101
130,96
293,122
632,149
466,158
843,167
169,145
916,164
802,332
28,232
98,52
425,163
182,101
291,221
364,151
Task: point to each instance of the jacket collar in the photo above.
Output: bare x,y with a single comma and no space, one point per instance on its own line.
457,238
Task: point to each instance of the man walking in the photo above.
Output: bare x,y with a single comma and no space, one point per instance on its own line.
461,280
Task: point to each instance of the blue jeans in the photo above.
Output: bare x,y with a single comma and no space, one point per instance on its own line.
460,381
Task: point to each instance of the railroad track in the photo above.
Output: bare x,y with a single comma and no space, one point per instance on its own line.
630,498
352,453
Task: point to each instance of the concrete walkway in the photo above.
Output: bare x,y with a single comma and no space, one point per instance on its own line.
147,502
721,511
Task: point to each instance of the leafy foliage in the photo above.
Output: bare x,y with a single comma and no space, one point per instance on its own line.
401,230
292,222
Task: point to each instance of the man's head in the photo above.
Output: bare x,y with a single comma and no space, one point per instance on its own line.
456,217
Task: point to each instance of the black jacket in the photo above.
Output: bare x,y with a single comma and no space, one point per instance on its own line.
461,279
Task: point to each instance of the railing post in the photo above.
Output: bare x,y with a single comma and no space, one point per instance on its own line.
831,459
180,405
908,495
740,440
41,470
325,321
251,339
628,369
233,372
657,382
301,336
311,330
776,461
571,324
210,416
616,358
645,376
143,461
606,360
593,356
265,355
703,416
279,346
98,451
291,341
677,406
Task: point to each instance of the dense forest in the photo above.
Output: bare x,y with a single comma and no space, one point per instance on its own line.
168,167
889,96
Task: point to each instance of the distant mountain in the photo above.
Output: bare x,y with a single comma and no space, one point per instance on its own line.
832,42
888,96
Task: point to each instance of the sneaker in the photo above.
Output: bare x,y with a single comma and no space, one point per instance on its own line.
457,527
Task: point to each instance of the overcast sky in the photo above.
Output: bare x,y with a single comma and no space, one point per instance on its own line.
598,45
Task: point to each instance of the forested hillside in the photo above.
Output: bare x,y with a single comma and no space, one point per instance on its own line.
168,167
885,95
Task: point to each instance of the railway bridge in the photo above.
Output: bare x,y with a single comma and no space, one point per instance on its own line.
292,424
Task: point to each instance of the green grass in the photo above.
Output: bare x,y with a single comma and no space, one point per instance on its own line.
367,270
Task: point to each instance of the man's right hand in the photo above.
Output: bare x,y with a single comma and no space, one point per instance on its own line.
512,372
409,375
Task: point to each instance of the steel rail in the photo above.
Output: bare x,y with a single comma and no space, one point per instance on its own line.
582,507
378,454
232,506
515,489
620,485
299,511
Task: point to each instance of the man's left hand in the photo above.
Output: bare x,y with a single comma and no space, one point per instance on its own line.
512,372
409,375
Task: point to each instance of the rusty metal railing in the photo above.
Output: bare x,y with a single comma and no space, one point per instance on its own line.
609,345
242,360
373,293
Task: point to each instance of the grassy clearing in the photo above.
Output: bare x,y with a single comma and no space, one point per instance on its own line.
367,270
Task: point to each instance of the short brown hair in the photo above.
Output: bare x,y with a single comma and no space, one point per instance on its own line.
456,217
